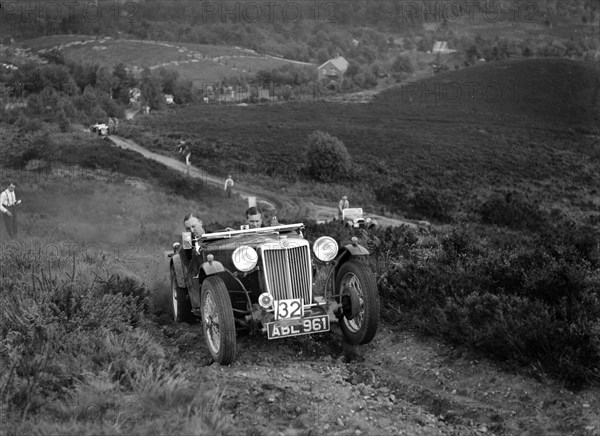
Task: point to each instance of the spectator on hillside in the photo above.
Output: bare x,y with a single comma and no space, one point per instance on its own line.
8,204
228,186
188,159
343,204
111,126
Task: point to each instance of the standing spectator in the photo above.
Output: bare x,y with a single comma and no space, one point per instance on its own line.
188,159
228,186
111,126
343,204
8,203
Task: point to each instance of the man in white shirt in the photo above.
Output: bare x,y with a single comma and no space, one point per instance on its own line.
343,204
228,186
8,202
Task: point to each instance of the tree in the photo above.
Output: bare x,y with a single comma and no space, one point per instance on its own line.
328,159
151,89
105,80
402,64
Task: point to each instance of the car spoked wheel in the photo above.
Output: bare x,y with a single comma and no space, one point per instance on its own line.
181,308
356,283
218,323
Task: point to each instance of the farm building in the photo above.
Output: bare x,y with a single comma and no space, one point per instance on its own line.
441,47
334,68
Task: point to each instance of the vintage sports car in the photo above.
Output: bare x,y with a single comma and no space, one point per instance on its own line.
263,280
100,128
353,217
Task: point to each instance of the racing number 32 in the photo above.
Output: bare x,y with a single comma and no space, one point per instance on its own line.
287,309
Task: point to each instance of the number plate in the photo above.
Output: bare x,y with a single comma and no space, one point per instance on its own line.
288,309
306,326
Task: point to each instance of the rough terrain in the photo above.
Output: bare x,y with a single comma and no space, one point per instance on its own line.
398,384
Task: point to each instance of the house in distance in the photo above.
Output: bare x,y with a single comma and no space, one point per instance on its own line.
333,69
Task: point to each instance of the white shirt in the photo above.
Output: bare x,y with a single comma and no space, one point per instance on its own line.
228,182
7,198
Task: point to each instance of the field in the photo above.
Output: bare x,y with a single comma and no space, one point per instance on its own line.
524,126
198,63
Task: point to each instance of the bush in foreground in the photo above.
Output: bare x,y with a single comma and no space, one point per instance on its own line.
79,356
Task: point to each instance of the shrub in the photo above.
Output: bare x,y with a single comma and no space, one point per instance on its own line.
402,64
531,306
513,212
327,158
431,204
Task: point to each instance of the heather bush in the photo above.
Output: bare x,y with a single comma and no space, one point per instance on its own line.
513,212
78,356
536,305
533,304
424,203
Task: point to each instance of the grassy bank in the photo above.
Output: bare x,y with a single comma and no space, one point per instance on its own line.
83,288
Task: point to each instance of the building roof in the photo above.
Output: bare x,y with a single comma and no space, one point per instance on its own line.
339,62
441,47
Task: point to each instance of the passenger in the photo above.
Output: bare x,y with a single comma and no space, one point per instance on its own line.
254,218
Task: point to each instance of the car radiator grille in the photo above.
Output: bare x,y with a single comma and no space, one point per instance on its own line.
288,273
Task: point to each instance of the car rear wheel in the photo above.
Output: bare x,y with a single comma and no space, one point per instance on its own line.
218,323
356,284
181,307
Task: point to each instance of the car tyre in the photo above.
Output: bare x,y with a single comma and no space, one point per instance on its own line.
181,307
355,277
218,323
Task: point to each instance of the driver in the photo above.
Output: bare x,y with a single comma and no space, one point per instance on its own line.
193,223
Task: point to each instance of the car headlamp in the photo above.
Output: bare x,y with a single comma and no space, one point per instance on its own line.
244,258
325,248
368,220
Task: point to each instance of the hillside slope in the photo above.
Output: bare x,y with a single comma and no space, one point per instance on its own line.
523,91
538,145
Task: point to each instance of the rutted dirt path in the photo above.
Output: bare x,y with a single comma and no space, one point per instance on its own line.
292,208
397,385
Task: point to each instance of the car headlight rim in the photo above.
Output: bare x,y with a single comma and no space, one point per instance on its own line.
325,248
245,258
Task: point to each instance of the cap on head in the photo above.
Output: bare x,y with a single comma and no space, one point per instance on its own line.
344,198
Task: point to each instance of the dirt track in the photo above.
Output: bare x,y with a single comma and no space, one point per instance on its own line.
291,208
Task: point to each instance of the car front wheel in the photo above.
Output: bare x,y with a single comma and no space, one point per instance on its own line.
218,323
181,308
360,298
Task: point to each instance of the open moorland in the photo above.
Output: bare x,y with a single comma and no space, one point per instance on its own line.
522,126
